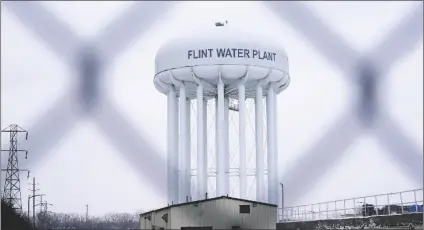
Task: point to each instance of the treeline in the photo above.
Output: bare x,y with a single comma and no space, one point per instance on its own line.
76,221
11,220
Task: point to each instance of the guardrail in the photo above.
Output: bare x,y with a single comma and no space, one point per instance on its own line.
410,201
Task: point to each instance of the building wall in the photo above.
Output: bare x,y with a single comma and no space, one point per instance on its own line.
156,219
223,214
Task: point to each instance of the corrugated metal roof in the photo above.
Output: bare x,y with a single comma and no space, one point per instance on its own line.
204,200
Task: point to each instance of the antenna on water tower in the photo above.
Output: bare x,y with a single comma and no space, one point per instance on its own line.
221,23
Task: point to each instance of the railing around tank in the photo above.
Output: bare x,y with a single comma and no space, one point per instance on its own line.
376,205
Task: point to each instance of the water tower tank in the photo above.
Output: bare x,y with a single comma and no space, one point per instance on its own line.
220,64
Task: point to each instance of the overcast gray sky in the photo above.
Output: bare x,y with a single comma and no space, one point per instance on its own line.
85,169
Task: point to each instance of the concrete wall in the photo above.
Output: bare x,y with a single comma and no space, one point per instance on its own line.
378,221
223,214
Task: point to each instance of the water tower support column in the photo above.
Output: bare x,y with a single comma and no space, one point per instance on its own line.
188,156
227,145
242,134
220,141
201,155
172,146
205,144
184,145
272,145
260,168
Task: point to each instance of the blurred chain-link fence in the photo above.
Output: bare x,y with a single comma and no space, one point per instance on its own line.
366,72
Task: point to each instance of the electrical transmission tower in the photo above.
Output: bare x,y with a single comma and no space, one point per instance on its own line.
12,184
43,216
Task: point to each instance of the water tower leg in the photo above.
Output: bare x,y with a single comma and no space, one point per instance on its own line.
172,146
272,146
242,133
188,148
183,145
205,145
227,146
220,137
201,168
260,174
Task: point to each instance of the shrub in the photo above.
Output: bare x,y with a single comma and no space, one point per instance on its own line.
11,220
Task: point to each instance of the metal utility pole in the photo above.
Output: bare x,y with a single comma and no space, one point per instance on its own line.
43,212
33,202
44,205
29,199
41,204
86,213
33,206
282,200
33,190
12,184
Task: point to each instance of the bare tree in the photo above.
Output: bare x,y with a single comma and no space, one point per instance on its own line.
77,221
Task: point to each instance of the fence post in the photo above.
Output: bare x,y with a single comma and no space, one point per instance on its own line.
327,210
365,207
388,204
312,212
282,216
335,209
376,205
401,201
344,207
319,211
354,207
298,212
415,200
282,197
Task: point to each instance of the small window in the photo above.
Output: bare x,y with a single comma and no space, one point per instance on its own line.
244,208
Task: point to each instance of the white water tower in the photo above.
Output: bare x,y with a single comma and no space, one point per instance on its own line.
225,68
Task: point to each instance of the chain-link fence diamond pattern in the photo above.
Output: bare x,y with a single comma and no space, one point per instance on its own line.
366,71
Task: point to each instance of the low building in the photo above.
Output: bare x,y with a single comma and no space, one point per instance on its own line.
216,213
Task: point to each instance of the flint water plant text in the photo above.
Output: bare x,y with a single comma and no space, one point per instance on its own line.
231,53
